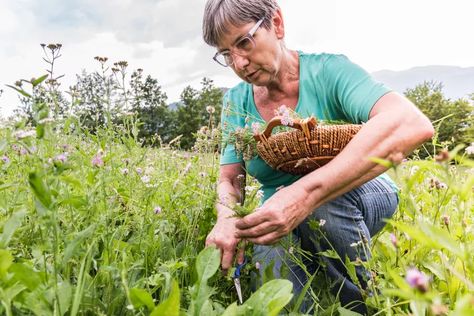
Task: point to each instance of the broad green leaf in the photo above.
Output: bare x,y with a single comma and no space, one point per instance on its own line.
141,297
70,250
207,263
36,82
40,130
40,189
64,295
270,298
231,310
26,275
6,260
10,227
21,91
170,306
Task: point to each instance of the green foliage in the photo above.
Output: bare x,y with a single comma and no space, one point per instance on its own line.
453,119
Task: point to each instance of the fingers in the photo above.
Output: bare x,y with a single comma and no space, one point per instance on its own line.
268,239
227,257
241,253
256,231
251,220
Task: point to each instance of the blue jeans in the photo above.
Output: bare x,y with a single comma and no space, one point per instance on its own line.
350,221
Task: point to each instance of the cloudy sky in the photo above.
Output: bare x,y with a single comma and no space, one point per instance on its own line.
164,37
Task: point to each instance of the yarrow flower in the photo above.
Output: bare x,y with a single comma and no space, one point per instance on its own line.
210,109
417,279
24,134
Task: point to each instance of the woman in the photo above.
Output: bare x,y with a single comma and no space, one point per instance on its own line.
348,194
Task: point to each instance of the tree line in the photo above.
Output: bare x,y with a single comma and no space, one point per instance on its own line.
108,95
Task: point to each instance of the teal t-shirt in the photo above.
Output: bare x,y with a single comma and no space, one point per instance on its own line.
331,87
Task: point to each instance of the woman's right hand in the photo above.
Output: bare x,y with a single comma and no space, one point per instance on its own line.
223,237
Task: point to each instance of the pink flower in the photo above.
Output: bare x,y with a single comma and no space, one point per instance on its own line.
5,159
394,240
157,210
97,161
417,279
256,127
257,265
61,158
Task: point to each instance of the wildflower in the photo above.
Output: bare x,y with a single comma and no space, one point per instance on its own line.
124,171
97,161
417,279
145,179
259,194
249,188
355,244
23,151
257,265
256,127
5,159
24,134
394,240
287,120
61,158
186,169
322,222
139,170
46,120
445,219
157,210
282,110
291,250
470,149
210,109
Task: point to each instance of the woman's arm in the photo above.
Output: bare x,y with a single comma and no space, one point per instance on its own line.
222,235
395,128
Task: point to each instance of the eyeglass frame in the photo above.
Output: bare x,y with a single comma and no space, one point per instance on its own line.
249,36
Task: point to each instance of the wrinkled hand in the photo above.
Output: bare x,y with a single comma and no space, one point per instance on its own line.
276,218
223,237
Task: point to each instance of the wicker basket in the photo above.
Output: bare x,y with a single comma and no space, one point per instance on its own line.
305,149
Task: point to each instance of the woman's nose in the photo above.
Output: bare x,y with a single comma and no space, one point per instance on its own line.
240,62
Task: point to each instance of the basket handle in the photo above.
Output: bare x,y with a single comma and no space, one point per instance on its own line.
304,125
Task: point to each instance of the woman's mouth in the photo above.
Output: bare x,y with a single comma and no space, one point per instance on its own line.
252,75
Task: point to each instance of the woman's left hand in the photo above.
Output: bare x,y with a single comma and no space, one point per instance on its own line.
276,218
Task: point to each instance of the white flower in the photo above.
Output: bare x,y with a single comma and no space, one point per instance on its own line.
23,134
322,222
470,149
145,179
259,194
256,127
210,109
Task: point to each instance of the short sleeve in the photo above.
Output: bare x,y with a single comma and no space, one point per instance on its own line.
351,88
230,120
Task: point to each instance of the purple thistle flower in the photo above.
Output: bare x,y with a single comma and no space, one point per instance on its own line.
417,279
97,161
61,157
5,159
157,210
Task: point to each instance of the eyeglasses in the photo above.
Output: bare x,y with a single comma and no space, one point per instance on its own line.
243,47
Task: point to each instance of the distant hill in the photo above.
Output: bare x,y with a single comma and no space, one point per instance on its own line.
457,82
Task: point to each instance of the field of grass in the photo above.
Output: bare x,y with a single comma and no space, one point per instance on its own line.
96,224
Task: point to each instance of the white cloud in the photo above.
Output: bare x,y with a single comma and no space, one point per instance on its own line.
164,36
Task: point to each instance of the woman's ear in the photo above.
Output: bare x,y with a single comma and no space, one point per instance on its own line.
278,24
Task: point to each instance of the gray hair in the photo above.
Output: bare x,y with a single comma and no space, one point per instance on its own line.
218,14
